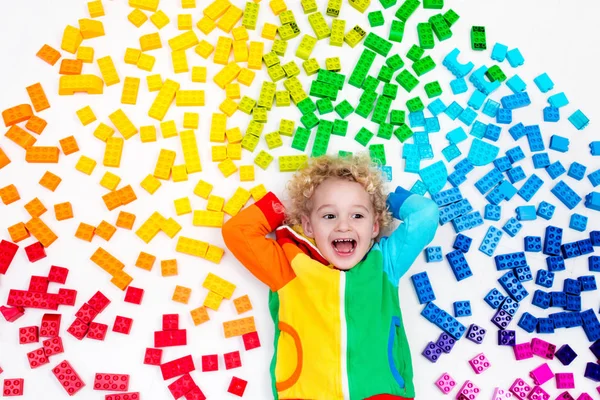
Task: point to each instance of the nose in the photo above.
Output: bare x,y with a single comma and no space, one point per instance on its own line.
343,225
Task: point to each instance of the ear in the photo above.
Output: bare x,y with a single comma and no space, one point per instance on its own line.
307,226
375,228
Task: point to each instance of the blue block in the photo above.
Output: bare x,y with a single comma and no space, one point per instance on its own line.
524,274
592,201
515,101
434,176
476,100
555,169
517,131
544,278
577,171
478,129
420,138
468,116
456,178
482,153
588,283
595,238
585,246
458,86
491,108
591,326
423,287
465,166
504,116
535,140
488,181
492,212
573,303
566,195
510,306
453,110
459,265
579,120
558,100
492,132
490,241
578,222
425,152
515,154
594,178
416,119
502,164
436,107
592,371
559,143
446,197
454,66
410,150
467,222
419,188
555,263
386,171
570,250
551,114
433,254
499,52
540,160
432,124
462,243
462,308
412,165
526,213
552,240
515,174
530,187
528,322
431,312
565,354
545,325
494,298
456,136
516,84
572,286
545,210
543,82
455,210
515,58
480,81
541,299
533,244
559,299
510,261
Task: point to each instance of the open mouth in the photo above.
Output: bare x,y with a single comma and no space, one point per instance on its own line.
344,247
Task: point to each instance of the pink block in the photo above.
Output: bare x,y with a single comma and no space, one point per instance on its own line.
542,348
584,396
445,383
468,391
501,394
565,380
541,374
565,396
479,363
520,388
538,394
523,351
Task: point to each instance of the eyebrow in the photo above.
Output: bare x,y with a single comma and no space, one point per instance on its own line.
355,205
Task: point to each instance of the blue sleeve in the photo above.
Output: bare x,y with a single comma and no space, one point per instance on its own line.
419,216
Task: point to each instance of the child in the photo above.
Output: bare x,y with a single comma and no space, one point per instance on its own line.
334,288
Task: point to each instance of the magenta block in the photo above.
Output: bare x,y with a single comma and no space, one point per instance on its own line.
523,351
479,363
538,394
565,380
542,348
541,374
565,396
468,391
520,388
445,383
501,394
584,396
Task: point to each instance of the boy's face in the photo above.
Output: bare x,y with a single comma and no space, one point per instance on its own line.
341,221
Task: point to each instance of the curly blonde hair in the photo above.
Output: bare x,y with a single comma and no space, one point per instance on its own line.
354,168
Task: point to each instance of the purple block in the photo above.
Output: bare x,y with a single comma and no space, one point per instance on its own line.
476,334
592,371
565,354
595,348
445,342
501,319
432,352
507,338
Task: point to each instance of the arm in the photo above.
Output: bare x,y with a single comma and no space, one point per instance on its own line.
420,217
245,236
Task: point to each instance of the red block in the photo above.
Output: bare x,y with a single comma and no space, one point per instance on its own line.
86,313
123,396
53,346
122,325
232,360
99,302
37,358
170,338
7,253
182,386
58,274
153,356
11,314
210,363
50,325
177,367
170,322
29,334
195,394
38,284
134,295
111,382
23,298
13,387
68,378
78,329
237,386
67,297
97,331
35,252
251,340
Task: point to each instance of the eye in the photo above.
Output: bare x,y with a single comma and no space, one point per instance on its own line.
328,216
358,216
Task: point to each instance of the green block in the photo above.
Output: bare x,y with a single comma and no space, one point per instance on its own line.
397,31
376,18
368,97
495,73
385,74
397,117
415,104
301,138
306,106
340,127
387,3
378,44
433,4
407,80
407,9
377,153
309,120
324,106
344,109
403,132
433,89
478,41
364,136
425,33
361,70
390,90
364,109
451,17
343,153
370,84
332,78
320,145
322,90
423,66
395,62
440,27
415,53
385,131
382,109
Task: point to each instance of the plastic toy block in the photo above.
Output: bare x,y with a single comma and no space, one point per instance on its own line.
588,283
122,325
579,120
13,387
516,84
423,287
433,254
462,243
566,195
237,386
28,334
210,363
578,222
50,326
177,367
551,114
459,265
513,286
445,342
507,338
239,327
490,241
475,334
432,352
111,382
462,308
541,374
479,363
512,227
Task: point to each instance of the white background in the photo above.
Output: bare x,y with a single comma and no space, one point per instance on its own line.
558,37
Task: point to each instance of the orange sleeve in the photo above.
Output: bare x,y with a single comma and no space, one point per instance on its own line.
245,236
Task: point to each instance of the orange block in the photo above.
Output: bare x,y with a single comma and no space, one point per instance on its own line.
35,208
20,137
48,54
36,124
42,154
38,97
145,261
85,232
9,194
199,315
70,67
242,304
121,279
125,220
41,232
63,211
107,261
105,230
239,327
168,267
4,160
126,195
17,114
18,232
50,181
112,200
69,145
